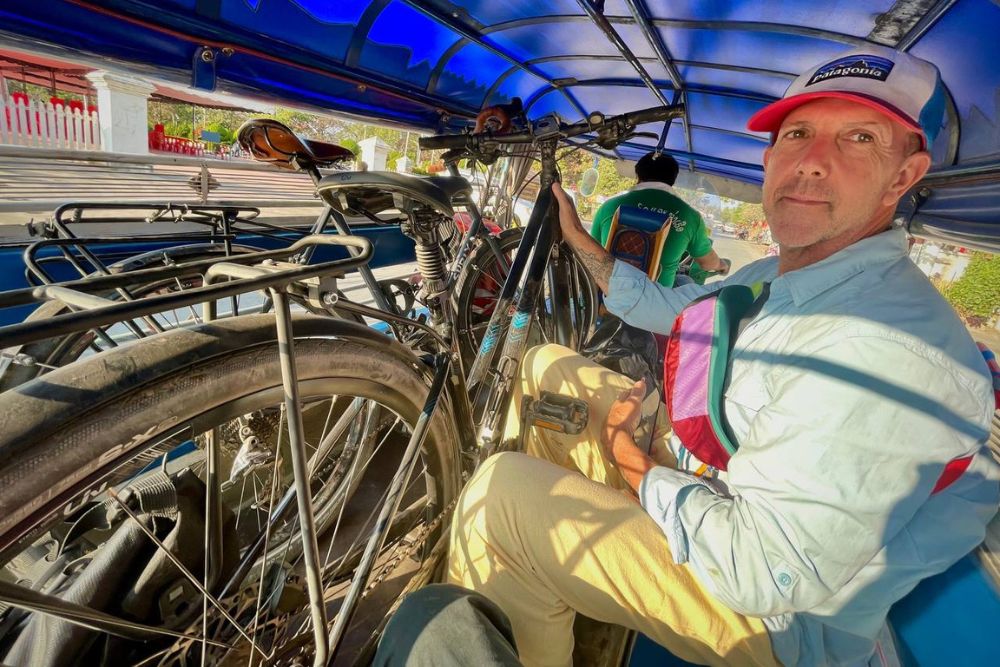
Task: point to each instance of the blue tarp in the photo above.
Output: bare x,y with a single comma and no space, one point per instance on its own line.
432,64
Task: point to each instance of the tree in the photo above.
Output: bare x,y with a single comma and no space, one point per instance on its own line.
976,295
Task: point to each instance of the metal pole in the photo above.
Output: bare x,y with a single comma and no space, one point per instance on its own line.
40,603
391,505
300,471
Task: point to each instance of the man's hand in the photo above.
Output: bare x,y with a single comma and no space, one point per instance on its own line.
598,262
711,262
623,419
617,436
569,221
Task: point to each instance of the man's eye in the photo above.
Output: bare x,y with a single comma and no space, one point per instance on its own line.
795,134
863,137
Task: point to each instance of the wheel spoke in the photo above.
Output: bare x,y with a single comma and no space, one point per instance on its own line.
267,534
184,570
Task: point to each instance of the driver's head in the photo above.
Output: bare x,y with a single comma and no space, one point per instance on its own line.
849,138
656,167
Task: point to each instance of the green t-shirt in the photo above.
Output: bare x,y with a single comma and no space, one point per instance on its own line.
687,234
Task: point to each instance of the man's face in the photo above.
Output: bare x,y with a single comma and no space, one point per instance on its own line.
835,173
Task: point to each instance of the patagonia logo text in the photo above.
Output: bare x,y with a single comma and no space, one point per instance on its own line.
866,67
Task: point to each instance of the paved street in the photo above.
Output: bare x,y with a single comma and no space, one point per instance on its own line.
740,252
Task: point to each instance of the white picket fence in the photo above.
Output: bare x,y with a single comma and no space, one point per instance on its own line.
48,125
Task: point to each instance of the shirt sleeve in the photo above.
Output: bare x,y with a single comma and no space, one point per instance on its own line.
600,227
645,304
834,465
700,244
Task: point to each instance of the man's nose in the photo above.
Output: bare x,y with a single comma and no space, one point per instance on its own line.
815,159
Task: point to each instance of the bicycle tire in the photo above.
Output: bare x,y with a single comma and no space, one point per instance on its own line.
470,287
55,444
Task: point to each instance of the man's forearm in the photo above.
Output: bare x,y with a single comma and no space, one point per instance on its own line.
710,261
598,261
630,460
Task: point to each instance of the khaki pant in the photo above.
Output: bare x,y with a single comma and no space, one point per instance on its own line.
544,542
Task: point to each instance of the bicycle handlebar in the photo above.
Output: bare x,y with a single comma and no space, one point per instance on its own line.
542,131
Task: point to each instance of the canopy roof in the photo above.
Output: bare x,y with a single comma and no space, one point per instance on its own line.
433,64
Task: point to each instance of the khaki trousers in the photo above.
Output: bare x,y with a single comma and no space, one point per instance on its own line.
544,541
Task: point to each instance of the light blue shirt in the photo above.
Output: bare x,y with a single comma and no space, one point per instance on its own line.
848,394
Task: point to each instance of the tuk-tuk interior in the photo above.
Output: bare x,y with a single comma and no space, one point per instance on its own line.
431,65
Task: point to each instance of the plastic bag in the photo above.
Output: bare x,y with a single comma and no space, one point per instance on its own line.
627,350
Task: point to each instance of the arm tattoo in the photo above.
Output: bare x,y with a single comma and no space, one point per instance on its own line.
599,264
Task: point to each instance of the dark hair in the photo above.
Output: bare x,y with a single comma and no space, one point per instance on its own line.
653,167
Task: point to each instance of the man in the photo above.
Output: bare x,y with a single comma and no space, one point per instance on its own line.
656,174
858,401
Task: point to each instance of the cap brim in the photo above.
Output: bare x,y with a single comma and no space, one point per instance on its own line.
769,118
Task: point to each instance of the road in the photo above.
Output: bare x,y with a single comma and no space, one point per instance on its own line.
740,252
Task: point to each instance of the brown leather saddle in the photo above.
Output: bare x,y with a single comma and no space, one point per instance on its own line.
269,141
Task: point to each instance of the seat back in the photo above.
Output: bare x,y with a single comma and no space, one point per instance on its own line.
637,237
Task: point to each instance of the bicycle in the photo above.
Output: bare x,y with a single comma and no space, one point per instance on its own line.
125,475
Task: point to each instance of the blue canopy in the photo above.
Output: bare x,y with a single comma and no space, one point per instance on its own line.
433,64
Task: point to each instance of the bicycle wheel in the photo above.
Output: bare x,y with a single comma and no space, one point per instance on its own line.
477,291
136,420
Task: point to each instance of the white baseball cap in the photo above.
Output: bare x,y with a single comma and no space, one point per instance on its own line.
903,87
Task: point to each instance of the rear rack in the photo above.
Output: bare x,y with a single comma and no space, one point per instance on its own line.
95,310
222,223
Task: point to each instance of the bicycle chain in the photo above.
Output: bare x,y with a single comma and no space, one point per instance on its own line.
405,552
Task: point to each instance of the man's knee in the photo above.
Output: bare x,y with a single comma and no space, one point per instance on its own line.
442,625
538,360
498,488
496,471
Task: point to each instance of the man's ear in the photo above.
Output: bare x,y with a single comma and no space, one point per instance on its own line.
767,156
910,172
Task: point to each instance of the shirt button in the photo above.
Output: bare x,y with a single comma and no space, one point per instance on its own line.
784,579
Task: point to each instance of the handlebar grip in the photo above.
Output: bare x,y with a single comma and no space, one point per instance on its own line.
653,114
439,142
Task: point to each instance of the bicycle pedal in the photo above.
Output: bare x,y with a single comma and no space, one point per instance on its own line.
555,412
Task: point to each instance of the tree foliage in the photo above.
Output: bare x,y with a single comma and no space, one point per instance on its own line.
976,295
743,215
575,164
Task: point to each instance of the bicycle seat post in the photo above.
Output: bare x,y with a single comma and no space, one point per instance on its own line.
307,166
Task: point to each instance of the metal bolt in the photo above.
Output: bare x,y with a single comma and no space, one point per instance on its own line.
207,54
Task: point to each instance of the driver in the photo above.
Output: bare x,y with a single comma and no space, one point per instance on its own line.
656,174
857,405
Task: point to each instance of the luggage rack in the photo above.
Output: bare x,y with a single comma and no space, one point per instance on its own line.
222,223
92,311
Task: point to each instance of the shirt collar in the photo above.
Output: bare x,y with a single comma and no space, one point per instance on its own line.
811,281
651,185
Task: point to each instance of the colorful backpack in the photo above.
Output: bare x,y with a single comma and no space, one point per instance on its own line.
696,364
637,236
